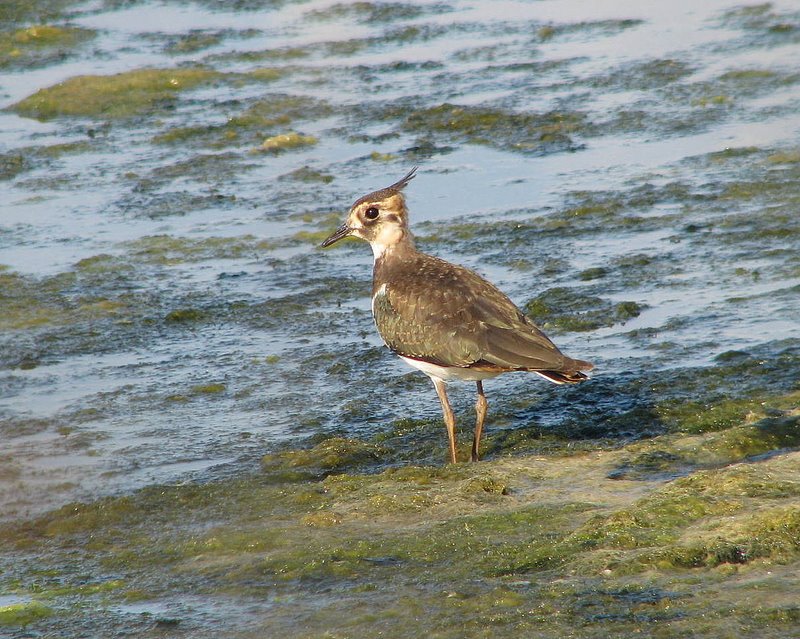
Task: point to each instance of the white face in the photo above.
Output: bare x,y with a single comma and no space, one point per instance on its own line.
380,218
379,222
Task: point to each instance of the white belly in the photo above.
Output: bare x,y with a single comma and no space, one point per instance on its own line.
448,373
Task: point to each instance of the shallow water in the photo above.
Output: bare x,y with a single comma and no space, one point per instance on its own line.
166,315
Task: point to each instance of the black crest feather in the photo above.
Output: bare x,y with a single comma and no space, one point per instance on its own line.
401,183
394,189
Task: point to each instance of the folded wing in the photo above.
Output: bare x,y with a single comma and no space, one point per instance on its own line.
450,316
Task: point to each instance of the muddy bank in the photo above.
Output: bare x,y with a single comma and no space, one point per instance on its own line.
686,528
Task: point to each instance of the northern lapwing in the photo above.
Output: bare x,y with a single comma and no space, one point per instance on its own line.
444,319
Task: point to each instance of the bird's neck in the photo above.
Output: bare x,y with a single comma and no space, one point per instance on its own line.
392,244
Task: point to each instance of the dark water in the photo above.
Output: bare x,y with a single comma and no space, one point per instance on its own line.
628,171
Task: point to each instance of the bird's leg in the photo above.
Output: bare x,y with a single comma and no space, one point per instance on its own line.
481,405
449,418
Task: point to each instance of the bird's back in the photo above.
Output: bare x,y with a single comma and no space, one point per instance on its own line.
428,309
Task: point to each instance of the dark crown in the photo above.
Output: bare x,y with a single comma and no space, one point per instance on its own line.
382,194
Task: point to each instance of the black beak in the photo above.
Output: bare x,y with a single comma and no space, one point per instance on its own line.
338,234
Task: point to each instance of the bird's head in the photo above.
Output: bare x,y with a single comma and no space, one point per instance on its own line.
380,218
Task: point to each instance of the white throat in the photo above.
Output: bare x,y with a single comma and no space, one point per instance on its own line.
378,249
388,237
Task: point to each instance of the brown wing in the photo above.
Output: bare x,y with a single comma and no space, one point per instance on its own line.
438,312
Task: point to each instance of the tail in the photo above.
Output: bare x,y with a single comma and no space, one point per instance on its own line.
572,375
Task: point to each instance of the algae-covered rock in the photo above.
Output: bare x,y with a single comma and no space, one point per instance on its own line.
522,132
185,315
171,249
309,175
286,141
488,484
39,44
208,389
375,12
565,546
113,96
193,41
12,164
335,454
27,158
251,126
26,11
23,614
29,302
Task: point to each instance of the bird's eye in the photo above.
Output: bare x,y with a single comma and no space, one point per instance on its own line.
371,213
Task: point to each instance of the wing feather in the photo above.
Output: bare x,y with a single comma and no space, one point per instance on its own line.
446,314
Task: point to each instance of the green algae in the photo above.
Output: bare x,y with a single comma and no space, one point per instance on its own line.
376,156
208,389
711,100
755,82
82,590
43,11
768,538
169,249
308,175
215,169
30,302
764,21
39,45
116,96
411,34
286,141
98,304
272,113
715,98
510,540
624,210
568,310
774,535
655,520
24,614
335,454
643,76
279,110
99,264
703,520
594,273
522,132
788,156
314,237
12,164
694,417
179,135
265,74
375,12
603,27
696,105
55,151
200,39
283,54
185,315
28,158
745,440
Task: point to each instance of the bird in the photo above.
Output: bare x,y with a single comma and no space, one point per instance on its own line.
443,319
